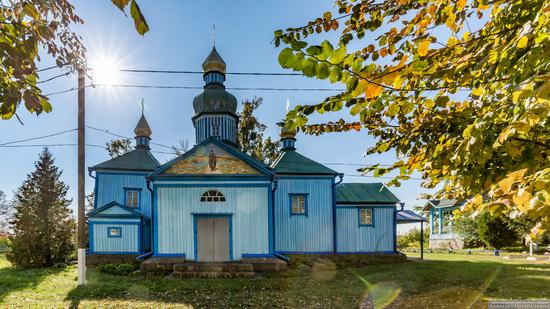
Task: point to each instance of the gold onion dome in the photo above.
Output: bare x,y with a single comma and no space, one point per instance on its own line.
214,62
142,127
286,132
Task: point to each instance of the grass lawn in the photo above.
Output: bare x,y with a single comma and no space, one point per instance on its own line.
443,280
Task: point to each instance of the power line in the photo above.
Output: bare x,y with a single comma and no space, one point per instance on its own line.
201,72
228,88
48,145
196,88
39,137
122,136
161,145
63,91
48,68
383,177
52,78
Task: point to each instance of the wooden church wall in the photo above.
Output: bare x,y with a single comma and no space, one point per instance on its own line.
247,205
111,186
311,233
351,237
127,243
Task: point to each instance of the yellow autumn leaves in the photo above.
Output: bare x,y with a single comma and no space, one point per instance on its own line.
423,48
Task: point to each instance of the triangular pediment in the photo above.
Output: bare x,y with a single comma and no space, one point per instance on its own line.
114,209
211,159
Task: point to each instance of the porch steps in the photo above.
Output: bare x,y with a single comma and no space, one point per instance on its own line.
214,270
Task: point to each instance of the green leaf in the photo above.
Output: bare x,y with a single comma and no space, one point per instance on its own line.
301,121
327,49
314,50
310,67
299,61
338,55
393,109
323,70
139,20
30,10
335,74
284,57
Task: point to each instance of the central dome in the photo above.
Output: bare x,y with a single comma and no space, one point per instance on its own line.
214,99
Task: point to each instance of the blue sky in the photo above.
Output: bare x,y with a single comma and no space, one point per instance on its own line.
180,39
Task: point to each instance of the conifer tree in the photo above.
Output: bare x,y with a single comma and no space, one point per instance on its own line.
43,225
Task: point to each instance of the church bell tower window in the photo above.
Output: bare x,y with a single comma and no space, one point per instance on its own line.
216,131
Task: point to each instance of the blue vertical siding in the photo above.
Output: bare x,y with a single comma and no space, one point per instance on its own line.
227,125
312,233
177,203
110,187
380,237
128,243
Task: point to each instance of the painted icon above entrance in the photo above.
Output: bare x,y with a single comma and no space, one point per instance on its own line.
211,159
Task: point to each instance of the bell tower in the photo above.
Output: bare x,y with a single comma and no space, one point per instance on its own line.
215,108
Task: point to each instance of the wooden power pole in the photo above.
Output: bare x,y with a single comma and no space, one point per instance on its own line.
81,180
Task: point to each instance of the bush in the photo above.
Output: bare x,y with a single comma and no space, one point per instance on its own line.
411,239
495,232
123,269
4,243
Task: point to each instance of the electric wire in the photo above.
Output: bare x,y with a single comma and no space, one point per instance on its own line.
52,78
201,72
35,138
193,88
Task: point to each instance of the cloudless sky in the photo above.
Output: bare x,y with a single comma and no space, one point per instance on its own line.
180,38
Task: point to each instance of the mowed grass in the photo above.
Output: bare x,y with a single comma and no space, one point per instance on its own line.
443,280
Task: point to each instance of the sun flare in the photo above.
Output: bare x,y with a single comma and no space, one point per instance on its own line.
105,71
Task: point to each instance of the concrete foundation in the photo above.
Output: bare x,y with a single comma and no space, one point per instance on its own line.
96,259
446,244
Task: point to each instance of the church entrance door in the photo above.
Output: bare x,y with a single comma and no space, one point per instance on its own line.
212,238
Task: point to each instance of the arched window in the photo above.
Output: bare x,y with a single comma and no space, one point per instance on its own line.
212,196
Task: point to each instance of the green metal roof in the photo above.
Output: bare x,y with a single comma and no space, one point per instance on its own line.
364,193
443,203
291,162
135,160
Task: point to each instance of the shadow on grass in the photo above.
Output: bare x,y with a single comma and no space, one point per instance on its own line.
13,279
429,284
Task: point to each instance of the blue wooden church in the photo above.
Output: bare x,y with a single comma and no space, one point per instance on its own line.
216,203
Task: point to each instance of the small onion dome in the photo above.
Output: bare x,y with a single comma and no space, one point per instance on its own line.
286,132
214,62
142,127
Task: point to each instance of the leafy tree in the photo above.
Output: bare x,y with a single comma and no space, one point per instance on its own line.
494,232
523,225
181,148
411,239
25,28
118,147
466,226
458,90
6,214
43,225
250,134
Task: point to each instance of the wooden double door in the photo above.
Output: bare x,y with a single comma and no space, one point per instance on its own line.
213,239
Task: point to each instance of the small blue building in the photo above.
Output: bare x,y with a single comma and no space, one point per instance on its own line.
216,203
442,235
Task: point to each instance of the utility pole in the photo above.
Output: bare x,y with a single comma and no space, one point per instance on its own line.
81,172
